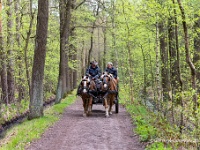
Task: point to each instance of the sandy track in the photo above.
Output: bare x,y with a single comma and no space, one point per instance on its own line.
75,132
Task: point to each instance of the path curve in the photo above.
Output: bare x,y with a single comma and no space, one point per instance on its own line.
75,132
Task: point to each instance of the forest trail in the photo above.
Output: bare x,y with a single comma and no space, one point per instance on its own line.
75,132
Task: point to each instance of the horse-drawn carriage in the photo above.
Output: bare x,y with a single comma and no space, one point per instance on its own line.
102,91
99,96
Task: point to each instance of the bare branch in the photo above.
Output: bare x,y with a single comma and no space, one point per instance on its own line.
76,7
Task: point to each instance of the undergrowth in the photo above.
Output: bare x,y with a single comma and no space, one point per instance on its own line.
152,128
21,135
13,110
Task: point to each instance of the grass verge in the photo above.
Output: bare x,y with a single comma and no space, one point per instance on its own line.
21,135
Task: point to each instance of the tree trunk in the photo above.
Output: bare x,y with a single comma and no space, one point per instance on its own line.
157,76
187,54
144,91
65,17
74,59
74,55
164,67
105,47
83,59
67,48
173,55
10,68
20,84
114,50
197,48
129,57
91,45
26,48
36,99
3,70
61,87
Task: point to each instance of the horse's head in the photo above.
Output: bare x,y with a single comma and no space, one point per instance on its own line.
85,84
105,80
108,81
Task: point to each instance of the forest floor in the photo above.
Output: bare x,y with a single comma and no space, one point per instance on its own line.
96,132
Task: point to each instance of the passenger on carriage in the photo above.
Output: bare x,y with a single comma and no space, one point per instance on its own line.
110,69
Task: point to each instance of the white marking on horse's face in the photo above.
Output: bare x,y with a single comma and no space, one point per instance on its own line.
110,75
105,85
84,84
84,91
84,78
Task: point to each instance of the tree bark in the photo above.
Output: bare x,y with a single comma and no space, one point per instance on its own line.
26,48
74,60
3,66
20,84
157,76
36,99
173,55
10,42
196,58
114,50
67,48
165,82
91,45
105,47
65,17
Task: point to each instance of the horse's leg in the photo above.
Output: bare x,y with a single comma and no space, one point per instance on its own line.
84,107
111,104
106,107
90,106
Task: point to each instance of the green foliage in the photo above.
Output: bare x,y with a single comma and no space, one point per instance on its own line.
149,126
144,124
158,146
10,111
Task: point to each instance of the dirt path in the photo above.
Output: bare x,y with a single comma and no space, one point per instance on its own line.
74,132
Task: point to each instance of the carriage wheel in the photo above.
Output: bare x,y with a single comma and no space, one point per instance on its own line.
116,106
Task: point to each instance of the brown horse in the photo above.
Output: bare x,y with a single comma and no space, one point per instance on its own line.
109,84
86,86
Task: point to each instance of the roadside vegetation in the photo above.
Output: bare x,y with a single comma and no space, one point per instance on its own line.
22,134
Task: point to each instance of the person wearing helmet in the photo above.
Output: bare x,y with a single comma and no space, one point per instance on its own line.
93,71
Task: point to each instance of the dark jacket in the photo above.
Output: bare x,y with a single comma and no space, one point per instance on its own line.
94,72
113,71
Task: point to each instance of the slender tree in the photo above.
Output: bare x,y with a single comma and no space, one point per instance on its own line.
20,84
197,46
25,49
3,72
10,46
187,53
164,66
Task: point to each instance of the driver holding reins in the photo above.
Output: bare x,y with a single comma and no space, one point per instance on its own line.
93,72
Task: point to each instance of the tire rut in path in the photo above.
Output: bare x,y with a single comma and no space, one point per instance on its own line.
96,132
